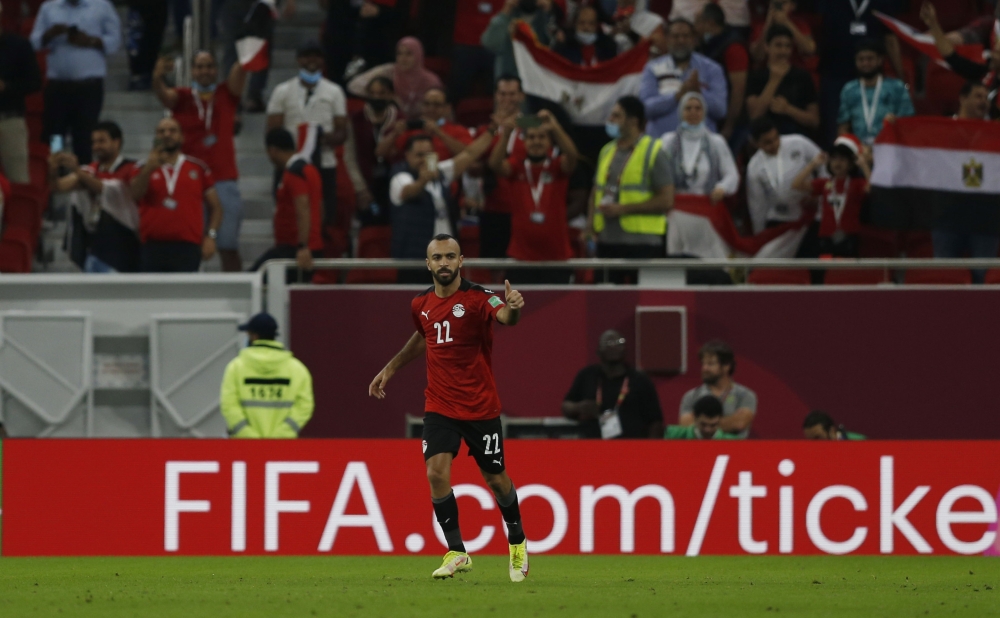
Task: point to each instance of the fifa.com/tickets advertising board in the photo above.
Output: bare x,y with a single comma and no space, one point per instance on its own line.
207,497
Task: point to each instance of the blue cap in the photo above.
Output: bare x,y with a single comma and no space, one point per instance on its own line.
262,325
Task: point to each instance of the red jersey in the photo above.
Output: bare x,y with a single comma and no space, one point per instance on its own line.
498,199
459,335
176,215
208,129
472,18
449,128
840,203
299,178
539,230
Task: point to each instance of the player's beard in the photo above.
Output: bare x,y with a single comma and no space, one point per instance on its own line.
444,279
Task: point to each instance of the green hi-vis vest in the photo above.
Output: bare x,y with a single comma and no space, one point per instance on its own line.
633,186
266,393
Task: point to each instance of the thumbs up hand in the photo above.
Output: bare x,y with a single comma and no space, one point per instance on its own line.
514,299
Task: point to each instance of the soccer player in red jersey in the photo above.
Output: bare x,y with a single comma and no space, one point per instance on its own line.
454,328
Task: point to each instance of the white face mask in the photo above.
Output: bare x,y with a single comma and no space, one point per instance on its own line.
586,38
244,340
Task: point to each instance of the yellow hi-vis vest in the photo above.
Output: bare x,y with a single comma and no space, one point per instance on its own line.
633,186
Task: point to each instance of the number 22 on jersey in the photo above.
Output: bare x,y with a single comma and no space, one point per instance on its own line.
443,329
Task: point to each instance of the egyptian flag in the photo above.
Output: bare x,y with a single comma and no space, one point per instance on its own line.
924,42
701,229
586,93
933,172
309,138
258,29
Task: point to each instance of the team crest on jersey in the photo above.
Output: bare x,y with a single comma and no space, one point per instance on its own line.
425,446
458,310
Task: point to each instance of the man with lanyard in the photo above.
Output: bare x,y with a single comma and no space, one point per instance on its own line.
633,190
845,24
311,99
771,198
739,403
872,98
171,189
539,180
611,399
104,237
206,113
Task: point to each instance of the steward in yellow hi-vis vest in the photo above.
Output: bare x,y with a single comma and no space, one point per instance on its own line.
633,187
266,392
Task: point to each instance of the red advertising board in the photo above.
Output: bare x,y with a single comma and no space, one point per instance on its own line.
218,497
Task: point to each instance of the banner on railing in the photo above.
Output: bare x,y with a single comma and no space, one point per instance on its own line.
217,497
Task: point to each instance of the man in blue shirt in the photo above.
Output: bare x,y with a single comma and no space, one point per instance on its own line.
668,78
78,34
867,101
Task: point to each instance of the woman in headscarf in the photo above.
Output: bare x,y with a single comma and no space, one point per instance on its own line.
409,77
702,165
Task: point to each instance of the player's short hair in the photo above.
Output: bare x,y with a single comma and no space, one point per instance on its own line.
633,108
280,138
761,127
721,351
413,139
713,13
709,406
779,30
446,238
969,86
818,417
111,128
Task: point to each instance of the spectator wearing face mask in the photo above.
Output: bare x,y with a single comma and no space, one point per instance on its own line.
668,78
376,120
311,99
586,45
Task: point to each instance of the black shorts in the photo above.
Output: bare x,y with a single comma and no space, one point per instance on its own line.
485,439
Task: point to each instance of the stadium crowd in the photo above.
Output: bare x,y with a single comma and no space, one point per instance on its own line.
765,108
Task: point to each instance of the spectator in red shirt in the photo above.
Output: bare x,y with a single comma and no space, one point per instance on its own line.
105,230
841,196
448,138
298,198
781,12
586,44
206,113
539,181
469,59
724,45
171,189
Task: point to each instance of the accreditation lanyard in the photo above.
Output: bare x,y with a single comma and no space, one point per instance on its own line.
621,394
171,178
543,179
204,111
869,111
859,10
838,201
689,175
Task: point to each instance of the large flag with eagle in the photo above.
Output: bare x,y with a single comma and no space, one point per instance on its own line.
586,93
935,172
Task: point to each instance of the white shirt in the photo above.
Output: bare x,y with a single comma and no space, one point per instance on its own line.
293,100
442,225
642,23
770,196
698,161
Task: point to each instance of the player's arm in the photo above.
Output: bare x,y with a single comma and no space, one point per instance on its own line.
413,349
737,421
510,313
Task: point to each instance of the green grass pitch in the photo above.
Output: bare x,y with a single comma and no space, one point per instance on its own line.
626,586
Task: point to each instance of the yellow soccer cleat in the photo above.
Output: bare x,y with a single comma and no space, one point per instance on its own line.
519,561
454,562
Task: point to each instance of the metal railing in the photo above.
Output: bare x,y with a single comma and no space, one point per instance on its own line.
663,273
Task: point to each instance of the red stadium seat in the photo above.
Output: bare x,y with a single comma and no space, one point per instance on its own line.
474,112
439,65
937,276
872,276
16,249
374,242
993,276
468,237
943,86
917,244
773,276
874,242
